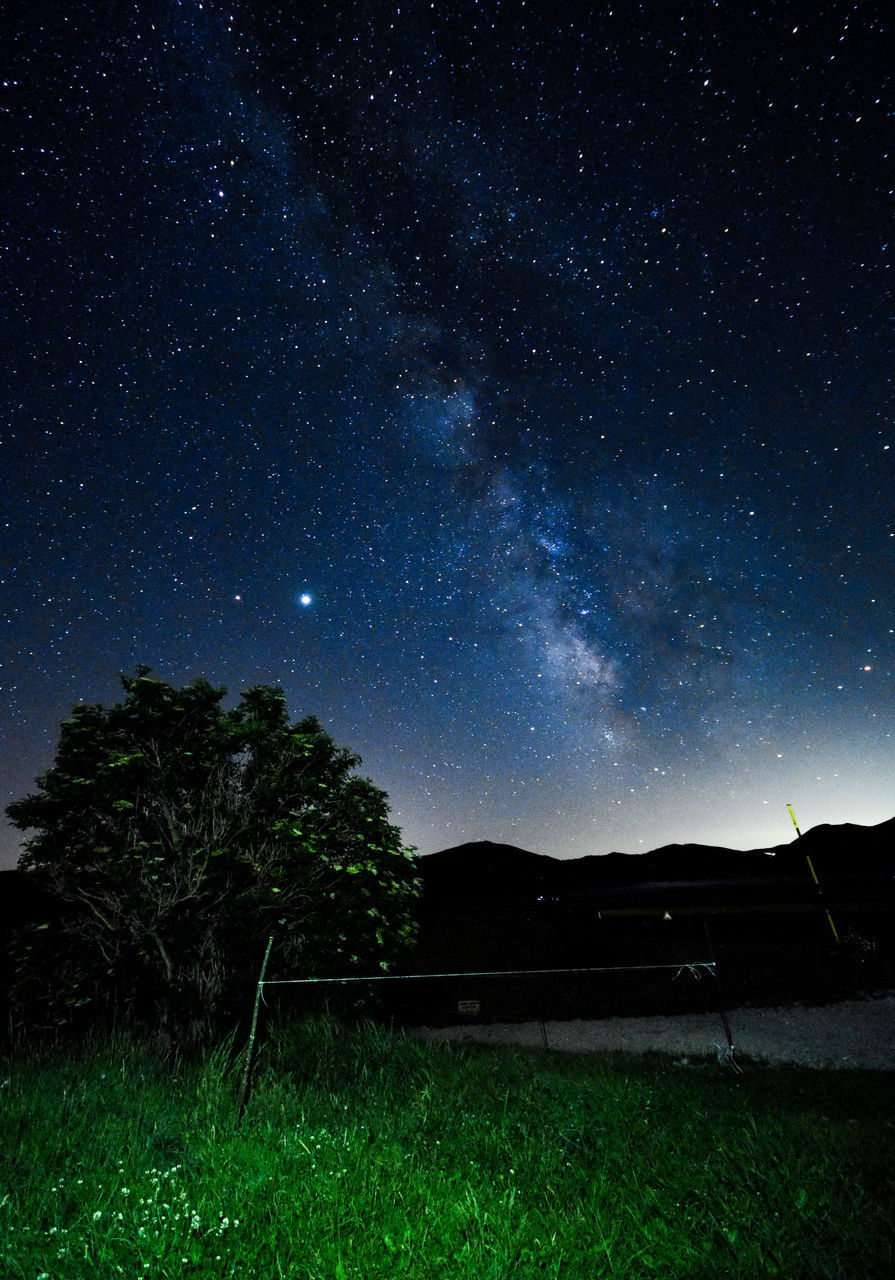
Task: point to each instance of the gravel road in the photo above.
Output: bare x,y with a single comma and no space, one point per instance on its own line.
854,1033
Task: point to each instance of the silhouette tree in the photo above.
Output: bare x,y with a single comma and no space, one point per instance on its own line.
177,836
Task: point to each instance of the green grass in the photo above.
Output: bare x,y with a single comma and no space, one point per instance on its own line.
364,1155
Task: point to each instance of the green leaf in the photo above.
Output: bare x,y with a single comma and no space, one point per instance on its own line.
219,810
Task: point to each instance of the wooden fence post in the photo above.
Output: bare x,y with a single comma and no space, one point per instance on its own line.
250,1048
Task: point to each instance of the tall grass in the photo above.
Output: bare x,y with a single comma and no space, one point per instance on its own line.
367,1155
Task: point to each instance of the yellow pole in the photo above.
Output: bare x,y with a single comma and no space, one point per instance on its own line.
814,875
793,816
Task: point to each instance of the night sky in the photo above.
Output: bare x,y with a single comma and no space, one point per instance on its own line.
511,383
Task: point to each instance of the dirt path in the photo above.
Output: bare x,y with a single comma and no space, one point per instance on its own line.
853,1033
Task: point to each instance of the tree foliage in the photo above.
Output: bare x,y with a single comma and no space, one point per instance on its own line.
176,836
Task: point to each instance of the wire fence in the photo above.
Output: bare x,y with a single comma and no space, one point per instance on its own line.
688,966
696,969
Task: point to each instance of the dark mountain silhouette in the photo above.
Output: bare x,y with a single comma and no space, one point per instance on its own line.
848,859
21,900
643,918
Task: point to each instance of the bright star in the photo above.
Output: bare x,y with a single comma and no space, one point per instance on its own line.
304,599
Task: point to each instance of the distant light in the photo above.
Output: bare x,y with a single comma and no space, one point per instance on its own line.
305,599
667,915
770,853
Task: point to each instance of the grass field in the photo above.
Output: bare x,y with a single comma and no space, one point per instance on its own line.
367,1155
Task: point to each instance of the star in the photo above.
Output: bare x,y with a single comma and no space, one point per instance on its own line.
524,394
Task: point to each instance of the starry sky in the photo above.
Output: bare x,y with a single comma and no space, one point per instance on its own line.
511,383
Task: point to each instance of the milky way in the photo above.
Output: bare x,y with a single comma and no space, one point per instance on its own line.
513,387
